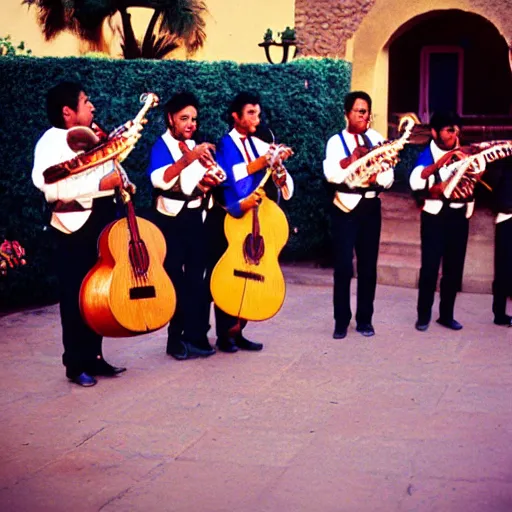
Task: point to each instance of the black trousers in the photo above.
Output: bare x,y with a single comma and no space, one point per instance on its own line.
443,237
76,254
502,284
359,231
185,263
226,325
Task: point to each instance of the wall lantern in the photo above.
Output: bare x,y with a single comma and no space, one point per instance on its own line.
287,39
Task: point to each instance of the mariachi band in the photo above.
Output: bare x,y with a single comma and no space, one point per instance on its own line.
216,230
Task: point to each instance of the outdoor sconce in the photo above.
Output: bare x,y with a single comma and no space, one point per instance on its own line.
287,40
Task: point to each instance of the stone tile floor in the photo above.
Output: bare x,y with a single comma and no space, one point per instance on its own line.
403,421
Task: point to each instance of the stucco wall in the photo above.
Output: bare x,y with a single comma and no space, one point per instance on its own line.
324,26
361,30
371,40
234,29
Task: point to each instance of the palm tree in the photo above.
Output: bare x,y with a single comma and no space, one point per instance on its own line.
174,23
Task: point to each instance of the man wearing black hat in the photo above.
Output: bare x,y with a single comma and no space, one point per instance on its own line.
444,223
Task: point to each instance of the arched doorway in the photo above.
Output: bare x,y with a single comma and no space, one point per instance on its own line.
456,60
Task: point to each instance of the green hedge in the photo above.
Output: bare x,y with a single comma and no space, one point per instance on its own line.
303,101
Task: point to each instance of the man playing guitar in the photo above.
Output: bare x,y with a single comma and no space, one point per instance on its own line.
82,205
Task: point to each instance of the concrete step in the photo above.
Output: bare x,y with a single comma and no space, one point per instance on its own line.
393,271
400,250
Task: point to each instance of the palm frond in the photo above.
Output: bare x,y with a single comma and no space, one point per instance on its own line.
158,47
53,15
185,20
82,17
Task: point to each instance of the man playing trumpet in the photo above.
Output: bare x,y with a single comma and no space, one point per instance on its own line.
356,214
182,172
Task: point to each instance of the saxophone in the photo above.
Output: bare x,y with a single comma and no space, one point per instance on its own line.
119,144
381,157
464,174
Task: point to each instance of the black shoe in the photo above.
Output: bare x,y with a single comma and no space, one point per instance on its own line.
227,345
503,320
84,379
421,326
180,351
195,351
365,329
246,344
450,324
339,333
104,369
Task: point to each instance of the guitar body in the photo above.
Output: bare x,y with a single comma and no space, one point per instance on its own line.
114,301
252,291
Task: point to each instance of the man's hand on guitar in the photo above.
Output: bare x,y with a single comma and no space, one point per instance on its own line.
111,181
359,152
452,156
253,200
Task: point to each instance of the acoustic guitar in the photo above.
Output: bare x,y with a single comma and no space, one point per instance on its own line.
247,281
128,291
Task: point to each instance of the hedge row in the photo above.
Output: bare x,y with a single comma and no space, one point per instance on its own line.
302,100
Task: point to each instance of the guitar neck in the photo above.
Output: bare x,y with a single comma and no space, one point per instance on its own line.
132,221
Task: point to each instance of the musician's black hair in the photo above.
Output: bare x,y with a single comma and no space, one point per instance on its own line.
241,99
178,102
443,119
351,98
64,94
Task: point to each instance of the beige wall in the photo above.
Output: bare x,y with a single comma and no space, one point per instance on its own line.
371,40
20,23
234,29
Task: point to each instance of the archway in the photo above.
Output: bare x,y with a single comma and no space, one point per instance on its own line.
455,60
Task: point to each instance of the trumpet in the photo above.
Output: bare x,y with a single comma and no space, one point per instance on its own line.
212,168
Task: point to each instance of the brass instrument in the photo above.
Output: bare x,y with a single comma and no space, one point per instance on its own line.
118,146
275,161
382,157
212,168
465,173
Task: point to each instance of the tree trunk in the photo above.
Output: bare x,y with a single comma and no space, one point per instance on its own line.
149,38
131,48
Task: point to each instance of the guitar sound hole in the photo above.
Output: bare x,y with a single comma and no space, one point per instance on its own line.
254,248
248,275
142,292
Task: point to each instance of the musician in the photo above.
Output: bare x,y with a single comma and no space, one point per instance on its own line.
444,224
82,205
178,171
244,158
356,215
502,284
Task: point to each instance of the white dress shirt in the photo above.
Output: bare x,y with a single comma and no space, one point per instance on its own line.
188,178
52,149
335,152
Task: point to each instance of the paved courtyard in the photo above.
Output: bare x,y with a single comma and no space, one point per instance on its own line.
403,421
